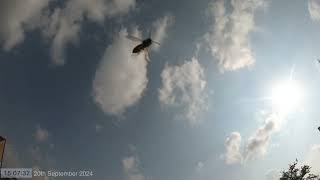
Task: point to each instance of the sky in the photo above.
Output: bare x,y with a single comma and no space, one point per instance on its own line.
230,93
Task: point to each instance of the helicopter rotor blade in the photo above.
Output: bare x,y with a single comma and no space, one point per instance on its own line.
134,38
156,42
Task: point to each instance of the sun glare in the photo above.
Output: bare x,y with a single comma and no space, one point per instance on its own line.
286,96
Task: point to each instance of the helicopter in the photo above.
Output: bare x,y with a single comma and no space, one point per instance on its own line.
144,43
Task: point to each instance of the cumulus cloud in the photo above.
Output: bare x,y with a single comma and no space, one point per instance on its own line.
61,25
65,23
41,134
199,167
258,143
183,87
131,168
160,28
229,35
121,77
314,9
17,17
232,144
313,159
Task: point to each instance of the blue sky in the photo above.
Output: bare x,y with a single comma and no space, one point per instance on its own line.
230,92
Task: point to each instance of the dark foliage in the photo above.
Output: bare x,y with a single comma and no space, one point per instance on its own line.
296,173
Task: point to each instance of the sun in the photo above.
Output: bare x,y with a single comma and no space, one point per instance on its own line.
286,96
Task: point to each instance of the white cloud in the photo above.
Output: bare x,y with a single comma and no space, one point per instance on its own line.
160,28
313,159
131,168
62,32
229,36
65,24
121,77
258,143
183,87
232,144
41,134
120,6
62,25
199,167
17,17
314,9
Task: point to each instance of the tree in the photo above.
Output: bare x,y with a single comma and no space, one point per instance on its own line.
296,173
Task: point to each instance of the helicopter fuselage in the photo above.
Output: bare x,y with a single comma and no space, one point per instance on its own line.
145,44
